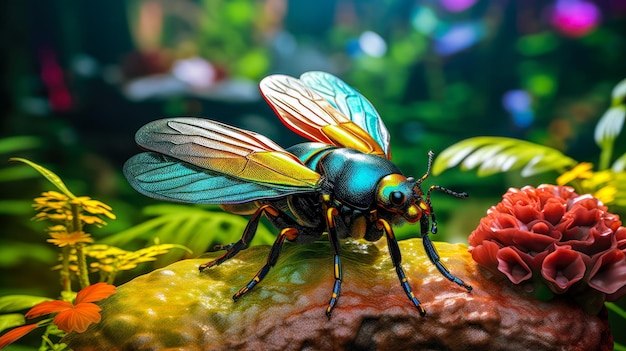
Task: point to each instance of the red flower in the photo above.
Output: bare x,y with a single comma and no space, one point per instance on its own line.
562,268
512,265
78,316
552,234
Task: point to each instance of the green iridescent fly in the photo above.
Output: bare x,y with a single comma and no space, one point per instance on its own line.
342,183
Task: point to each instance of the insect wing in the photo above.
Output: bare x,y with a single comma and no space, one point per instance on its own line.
351,103
166,178
229,151
309,114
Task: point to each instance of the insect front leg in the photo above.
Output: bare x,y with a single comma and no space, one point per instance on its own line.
246,237
431,251
396,259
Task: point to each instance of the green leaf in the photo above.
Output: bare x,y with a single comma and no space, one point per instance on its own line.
137,231
14,303
16,207
169,208
51,176
610,125
497,154
13,253
619,165
17,143
11,320
20,172
190,226
618,94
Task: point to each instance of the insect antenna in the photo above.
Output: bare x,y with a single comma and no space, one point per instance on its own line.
431,154
461,195
433,219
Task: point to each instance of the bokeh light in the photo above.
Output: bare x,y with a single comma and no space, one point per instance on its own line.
458,37
518,104
372,44
574,18
424,20
457,5
195,71
368,43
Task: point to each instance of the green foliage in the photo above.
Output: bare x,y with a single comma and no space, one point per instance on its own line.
610,126
228,30
14,144
51,176
11,320
109,260
69,215
16,303
195,227
492,155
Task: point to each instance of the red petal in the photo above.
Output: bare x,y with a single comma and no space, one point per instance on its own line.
608,275
94,292
78,318
48,307
15,334
562,268
512,265
485,254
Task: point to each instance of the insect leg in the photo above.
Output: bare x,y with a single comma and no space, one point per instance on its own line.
271,260
431,251
334,243
246,237
396,258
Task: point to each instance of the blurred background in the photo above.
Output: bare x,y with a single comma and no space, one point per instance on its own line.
80,77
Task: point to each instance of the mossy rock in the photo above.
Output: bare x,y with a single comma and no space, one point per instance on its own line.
179,308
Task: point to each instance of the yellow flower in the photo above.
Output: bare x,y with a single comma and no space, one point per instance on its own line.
57,229
94,206
606,194
581,171
92,220
51,200
71,239
57,207
56,217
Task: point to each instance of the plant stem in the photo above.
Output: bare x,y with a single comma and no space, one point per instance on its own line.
77,225
83,274
111,277
66,282
605,155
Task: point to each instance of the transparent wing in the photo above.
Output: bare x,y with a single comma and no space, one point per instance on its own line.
166,178
351,103
309,114
226,150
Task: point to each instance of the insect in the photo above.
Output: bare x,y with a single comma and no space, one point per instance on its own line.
342,183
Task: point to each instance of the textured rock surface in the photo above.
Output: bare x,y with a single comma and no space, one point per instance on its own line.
179,308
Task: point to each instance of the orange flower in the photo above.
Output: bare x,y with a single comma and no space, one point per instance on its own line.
79,315
15,334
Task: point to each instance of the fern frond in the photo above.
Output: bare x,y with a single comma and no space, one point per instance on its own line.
492,155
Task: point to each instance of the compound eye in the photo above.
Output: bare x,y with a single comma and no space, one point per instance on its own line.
396,198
